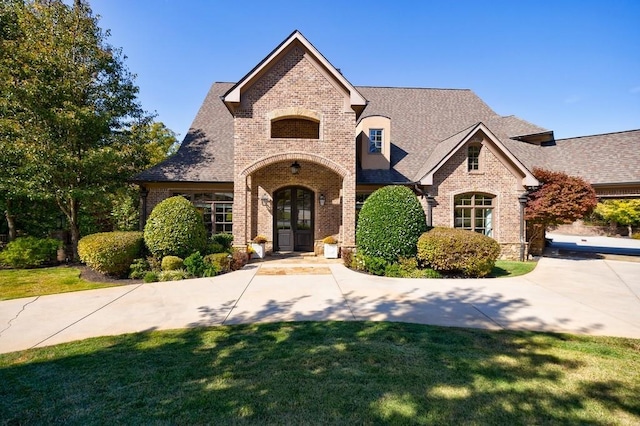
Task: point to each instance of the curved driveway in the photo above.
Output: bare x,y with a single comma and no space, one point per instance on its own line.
597,297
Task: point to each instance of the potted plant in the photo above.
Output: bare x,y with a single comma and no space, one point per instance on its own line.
330,247
258,246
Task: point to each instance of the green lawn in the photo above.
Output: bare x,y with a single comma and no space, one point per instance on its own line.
325,373
16,283
508,268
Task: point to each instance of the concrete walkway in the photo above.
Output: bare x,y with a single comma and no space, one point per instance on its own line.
597,297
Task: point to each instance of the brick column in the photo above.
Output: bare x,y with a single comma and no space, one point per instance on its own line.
349,211
240,211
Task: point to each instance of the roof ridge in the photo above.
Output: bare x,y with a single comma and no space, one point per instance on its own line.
409,88
599,134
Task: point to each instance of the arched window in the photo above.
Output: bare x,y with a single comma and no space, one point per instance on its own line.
474,212
295,128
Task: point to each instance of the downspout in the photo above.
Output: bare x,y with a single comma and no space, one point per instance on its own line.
523,237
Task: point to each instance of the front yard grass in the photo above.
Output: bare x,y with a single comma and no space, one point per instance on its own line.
325,373
509,268
17,283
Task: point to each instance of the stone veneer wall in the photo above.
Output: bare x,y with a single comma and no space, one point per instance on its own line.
328,163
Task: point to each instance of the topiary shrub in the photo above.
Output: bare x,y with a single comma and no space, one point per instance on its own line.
29,252
110,253
221,261
458,251
171,263
175,227
390,223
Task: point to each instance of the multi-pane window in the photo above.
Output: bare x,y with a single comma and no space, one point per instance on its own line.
375,141
473,158
216,209
361,197
474,212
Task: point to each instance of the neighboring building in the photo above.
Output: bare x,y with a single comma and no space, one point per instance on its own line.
293,149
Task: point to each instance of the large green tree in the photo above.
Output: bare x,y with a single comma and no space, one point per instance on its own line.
624,212
67,98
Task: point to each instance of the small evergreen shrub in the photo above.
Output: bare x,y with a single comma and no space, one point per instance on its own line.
347,257
175,227
390,223
151,277
139,269
393,270
172,263
197,267
458,251
173,275
110,253
221,261
220,243
29,252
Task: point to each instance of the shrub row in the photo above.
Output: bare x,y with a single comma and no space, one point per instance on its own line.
29,252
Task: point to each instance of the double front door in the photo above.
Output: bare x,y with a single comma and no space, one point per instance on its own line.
293,219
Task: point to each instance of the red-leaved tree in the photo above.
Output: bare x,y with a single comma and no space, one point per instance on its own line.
560,199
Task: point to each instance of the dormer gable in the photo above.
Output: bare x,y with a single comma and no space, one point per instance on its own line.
353,99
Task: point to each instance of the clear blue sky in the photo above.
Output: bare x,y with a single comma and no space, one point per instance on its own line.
572,66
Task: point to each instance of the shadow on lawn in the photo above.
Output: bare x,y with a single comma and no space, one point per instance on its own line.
315,373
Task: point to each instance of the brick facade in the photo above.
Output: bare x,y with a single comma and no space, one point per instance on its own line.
261,163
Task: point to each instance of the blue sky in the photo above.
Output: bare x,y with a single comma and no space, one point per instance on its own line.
572,66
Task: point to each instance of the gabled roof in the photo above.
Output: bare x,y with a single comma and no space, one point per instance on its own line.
296,38
448,147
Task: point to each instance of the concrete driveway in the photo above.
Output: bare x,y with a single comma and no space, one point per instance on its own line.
596,297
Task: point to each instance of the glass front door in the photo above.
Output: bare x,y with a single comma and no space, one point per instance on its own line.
294,219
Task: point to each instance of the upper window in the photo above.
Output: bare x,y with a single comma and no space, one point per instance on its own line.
295,128
375,141
474,212
473,158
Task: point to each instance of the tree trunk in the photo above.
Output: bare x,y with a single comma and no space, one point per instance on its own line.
74,228
11,221
630,230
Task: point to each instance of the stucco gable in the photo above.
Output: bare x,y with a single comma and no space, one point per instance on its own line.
448,147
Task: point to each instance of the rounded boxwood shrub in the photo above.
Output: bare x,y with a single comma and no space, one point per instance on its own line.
458,251
110,253
29,252
175,227
220,261
171,263
390,223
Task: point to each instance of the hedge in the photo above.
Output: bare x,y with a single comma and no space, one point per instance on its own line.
110,253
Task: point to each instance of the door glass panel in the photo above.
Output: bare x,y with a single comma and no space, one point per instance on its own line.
303,205
283,210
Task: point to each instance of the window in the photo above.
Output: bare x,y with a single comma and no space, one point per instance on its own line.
473,158
361,197
295,128
375,141
216,209
474,212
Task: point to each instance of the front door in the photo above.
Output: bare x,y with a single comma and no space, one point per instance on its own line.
294,219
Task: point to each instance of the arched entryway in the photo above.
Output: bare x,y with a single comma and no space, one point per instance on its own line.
293,219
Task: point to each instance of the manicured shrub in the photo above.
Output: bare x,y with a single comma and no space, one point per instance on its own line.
221,261
151,277
175,227
390,223
458,251
174,275
172,263
110,253
239,258
224,239
29,252
214,247
139,269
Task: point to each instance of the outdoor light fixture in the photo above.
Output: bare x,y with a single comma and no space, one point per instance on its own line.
295,168
322,199
265,199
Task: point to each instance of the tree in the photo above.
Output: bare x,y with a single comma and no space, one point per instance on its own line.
560,199
66,97
623,212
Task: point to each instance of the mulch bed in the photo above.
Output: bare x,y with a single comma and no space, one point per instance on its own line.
89,274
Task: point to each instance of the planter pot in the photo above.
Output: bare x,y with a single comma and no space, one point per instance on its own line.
331,251
258,251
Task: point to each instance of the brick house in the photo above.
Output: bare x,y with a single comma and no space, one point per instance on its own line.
293,149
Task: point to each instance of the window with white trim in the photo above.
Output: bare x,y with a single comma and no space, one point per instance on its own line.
375,141
473,158
474,212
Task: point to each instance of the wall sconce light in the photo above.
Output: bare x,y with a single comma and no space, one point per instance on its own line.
295,168
322,199
265,199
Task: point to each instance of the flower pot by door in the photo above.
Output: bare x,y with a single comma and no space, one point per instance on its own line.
258,250
331,251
